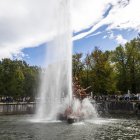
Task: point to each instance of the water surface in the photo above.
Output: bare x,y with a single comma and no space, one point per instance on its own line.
18,127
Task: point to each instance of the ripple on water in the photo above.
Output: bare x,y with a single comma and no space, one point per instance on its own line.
43,121
16,127
79,123
101,121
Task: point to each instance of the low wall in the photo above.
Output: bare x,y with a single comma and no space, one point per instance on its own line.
119,107
114,107
16,108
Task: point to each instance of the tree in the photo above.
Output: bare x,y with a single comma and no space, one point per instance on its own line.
127,63
77,65
133,57
18,79
121,63
102,73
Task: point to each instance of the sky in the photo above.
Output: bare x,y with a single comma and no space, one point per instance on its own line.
26,26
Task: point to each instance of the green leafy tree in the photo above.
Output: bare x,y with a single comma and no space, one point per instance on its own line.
127,64
18,79
121,63
77,65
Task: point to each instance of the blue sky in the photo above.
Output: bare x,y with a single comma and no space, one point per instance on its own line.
36,55
27,25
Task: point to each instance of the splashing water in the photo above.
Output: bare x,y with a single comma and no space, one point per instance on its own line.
56,79
55,92
83,109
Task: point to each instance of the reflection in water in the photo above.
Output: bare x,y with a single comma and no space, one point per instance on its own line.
16,127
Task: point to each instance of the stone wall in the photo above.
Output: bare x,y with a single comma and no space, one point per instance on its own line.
103,107
16,108
119,107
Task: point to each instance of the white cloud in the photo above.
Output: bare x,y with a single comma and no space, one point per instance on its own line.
111,36
118,38
20,55
77,37
97,33
28,23
124,14
105,36
121,17
87,13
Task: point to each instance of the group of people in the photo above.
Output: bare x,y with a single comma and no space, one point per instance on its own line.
125,97
9,99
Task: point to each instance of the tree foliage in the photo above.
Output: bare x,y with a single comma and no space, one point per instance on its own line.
105,72
127,60
111,72
17,78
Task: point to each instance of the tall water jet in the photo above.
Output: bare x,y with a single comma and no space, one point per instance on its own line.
55,92
56,79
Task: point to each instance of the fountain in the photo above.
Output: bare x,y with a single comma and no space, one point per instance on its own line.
55,91
56,82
